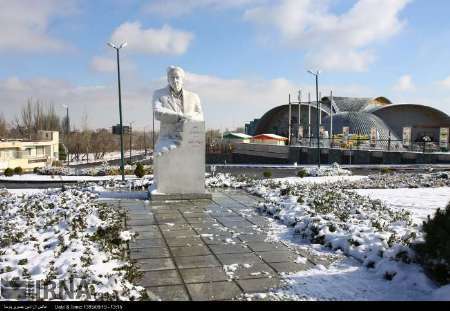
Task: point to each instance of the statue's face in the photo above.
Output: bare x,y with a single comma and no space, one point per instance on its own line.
176,80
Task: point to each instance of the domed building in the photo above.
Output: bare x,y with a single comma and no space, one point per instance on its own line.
360,115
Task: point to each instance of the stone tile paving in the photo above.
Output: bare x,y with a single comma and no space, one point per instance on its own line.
207,249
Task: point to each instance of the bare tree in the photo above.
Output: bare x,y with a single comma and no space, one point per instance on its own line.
34,117
3,127
103,141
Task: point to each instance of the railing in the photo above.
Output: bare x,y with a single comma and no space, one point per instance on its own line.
367,144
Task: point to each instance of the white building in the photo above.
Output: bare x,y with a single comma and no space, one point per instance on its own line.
30,154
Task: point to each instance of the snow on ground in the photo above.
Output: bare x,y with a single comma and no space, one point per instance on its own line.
65,235
31,191
108,156
421,202
374,236
46,178
346,279
319,180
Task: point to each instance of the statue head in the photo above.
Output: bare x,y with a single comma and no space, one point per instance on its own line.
175,77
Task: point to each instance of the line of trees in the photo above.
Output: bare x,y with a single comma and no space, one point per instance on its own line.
36,115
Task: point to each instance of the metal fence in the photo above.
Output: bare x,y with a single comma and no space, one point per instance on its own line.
367,144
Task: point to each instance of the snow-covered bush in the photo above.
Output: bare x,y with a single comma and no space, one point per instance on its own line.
340,219
62,236
333,170
434,252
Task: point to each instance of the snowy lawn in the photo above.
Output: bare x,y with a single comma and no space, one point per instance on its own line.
66,237
319,180
420,202
345,279
47,178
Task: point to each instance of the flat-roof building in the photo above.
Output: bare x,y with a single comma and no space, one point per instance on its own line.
29,154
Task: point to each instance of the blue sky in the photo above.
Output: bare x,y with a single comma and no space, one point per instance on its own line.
242,57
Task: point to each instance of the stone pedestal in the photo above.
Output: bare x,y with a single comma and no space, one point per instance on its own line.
180,172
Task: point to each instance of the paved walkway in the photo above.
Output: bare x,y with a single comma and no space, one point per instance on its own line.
207,249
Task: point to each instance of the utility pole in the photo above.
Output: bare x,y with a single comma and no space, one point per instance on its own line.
122,168
145,144
331,118
299,114
316,74
309,118
131,141
290,118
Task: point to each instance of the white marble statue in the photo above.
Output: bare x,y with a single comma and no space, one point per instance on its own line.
179,156
173,105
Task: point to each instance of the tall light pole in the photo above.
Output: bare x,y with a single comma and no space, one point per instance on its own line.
67,130
131,139
316,74
124,44
290,120
299,97
145,144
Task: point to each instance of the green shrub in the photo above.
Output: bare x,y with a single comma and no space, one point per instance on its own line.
9,172
302,173
62,153
139,171
385,170
267,174
57,163
18,170
434,253
36,170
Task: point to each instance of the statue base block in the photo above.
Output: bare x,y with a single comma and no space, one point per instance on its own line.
158,197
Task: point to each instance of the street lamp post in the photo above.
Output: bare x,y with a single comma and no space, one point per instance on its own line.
67,130
131,140
316,74
299,97
124,44
145,144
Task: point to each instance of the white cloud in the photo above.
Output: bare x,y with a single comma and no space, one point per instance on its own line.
24,24
227,103
152,41
330,41
175,8
405,84
445,83
109,64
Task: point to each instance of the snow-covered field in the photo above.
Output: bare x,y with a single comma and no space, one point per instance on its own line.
346,279
65,236
47,178
420,202
319,180
108,156
374,233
